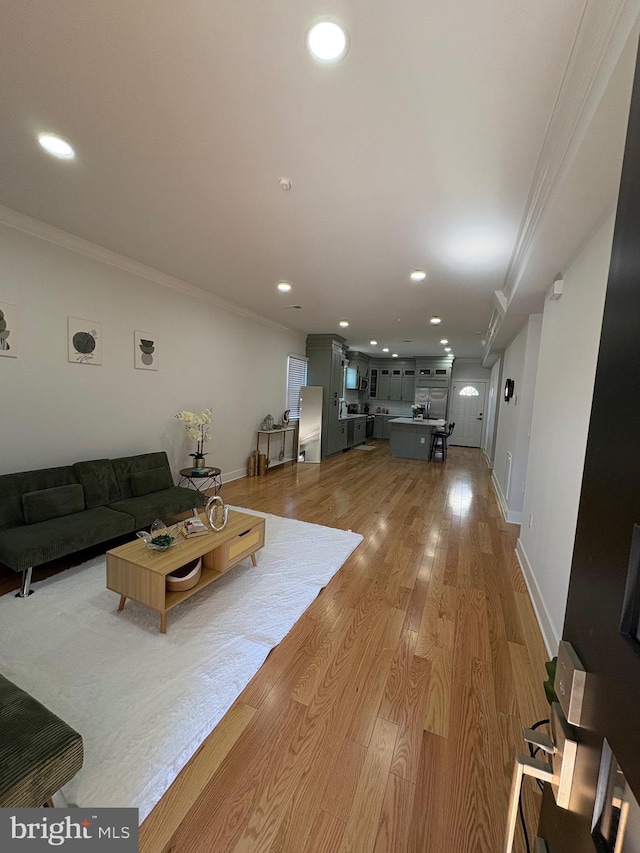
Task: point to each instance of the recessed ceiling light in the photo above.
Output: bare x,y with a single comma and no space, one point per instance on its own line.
385,349
394,355
56,146
444,341
450,355
327,41
284,287
418,275
435,321
344,323
374,343
447,349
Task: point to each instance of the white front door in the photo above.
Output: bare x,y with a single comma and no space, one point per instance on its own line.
467,412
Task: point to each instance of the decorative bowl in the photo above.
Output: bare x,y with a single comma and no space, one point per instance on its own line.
160,537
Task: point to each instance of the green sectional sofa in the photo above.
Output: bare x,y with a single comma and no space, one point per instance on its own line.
54,512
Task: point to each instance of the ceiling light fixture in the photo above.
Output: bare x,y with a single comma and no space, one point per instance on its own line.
344,323
447,349
418,275
374,343
435,321
444,341
385,349
394,355
284,287
327,40
56,146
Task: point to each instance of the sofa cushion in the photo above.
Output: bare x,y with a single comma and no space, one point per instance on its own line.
32,544
99,482
125,466
147,482
52,503
39,753
160,505
13,487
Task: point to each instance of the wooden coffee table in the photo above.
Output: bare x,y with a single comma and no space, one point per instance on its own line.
136,572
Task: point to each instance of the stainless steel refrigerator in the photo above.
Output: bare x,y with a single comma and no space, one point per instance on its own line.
310,427
434,400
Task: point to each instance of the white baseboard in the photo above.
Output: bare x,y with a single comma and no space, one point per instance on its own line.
238,474
550,636
509,516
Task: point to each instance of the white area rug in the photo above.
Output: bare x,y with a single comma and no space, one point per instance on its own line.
144,701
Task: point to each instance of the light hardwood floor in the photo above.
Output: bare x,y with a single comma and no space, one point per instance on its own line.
388,719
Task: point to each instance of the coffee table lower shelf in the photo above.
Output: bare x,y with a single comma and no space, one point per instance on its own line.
135,572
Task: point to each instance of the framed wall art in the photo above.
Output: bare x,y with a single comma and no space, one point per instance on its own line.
85,341
8,330
145,350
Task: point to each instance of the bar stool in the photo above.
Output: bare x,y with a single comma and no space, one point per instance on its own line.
439,441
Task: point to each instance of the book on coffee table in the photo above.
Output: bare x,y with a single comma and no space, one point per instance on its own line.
194,527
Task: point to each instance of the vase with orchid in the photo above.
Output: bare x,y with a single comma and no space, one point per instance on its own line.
198,428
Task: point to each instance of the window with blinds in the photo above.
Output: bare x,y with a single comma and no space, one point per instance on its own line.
296,378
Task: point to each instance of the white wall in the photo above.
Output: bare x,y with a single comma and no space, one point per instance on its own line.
471,369
514,418
490,430
566,374
54,412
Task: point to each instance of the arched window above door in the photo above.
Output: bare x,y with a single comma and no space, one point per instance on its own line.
469,391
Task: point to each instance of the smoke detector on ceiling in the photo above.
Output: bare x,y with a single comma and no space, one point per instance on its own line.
284,183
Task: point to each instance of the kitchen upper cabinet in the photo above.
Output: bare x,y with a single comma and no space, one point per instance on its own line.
408,385
433,372
357,371
373,383
384,384
336,388
395,382
395,385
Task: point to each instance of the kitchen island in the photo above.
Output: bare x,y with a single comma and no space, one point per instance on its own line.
412,439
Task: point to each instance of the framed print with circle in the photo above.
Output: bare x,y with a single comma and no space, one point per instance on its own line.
509,388
145,350
8,330
85,341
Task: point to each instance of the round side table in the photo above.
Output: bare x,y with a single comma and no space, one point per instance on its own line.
208,478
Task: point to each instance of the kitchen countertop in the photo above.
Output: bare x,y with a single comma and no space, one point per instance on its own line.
351,417
387,415
430,422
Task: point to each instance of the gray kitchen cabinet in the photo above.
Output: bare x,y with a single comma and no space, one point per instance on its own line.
384,384
337,438
408,387
381,427
373,383
325,367
395,385
356,431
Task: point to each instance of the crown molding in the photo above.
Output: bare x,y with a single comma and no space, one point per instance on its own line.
36,228
604,30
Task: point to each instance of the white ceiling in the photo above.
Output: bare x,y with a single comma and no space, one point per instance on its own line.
418,150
